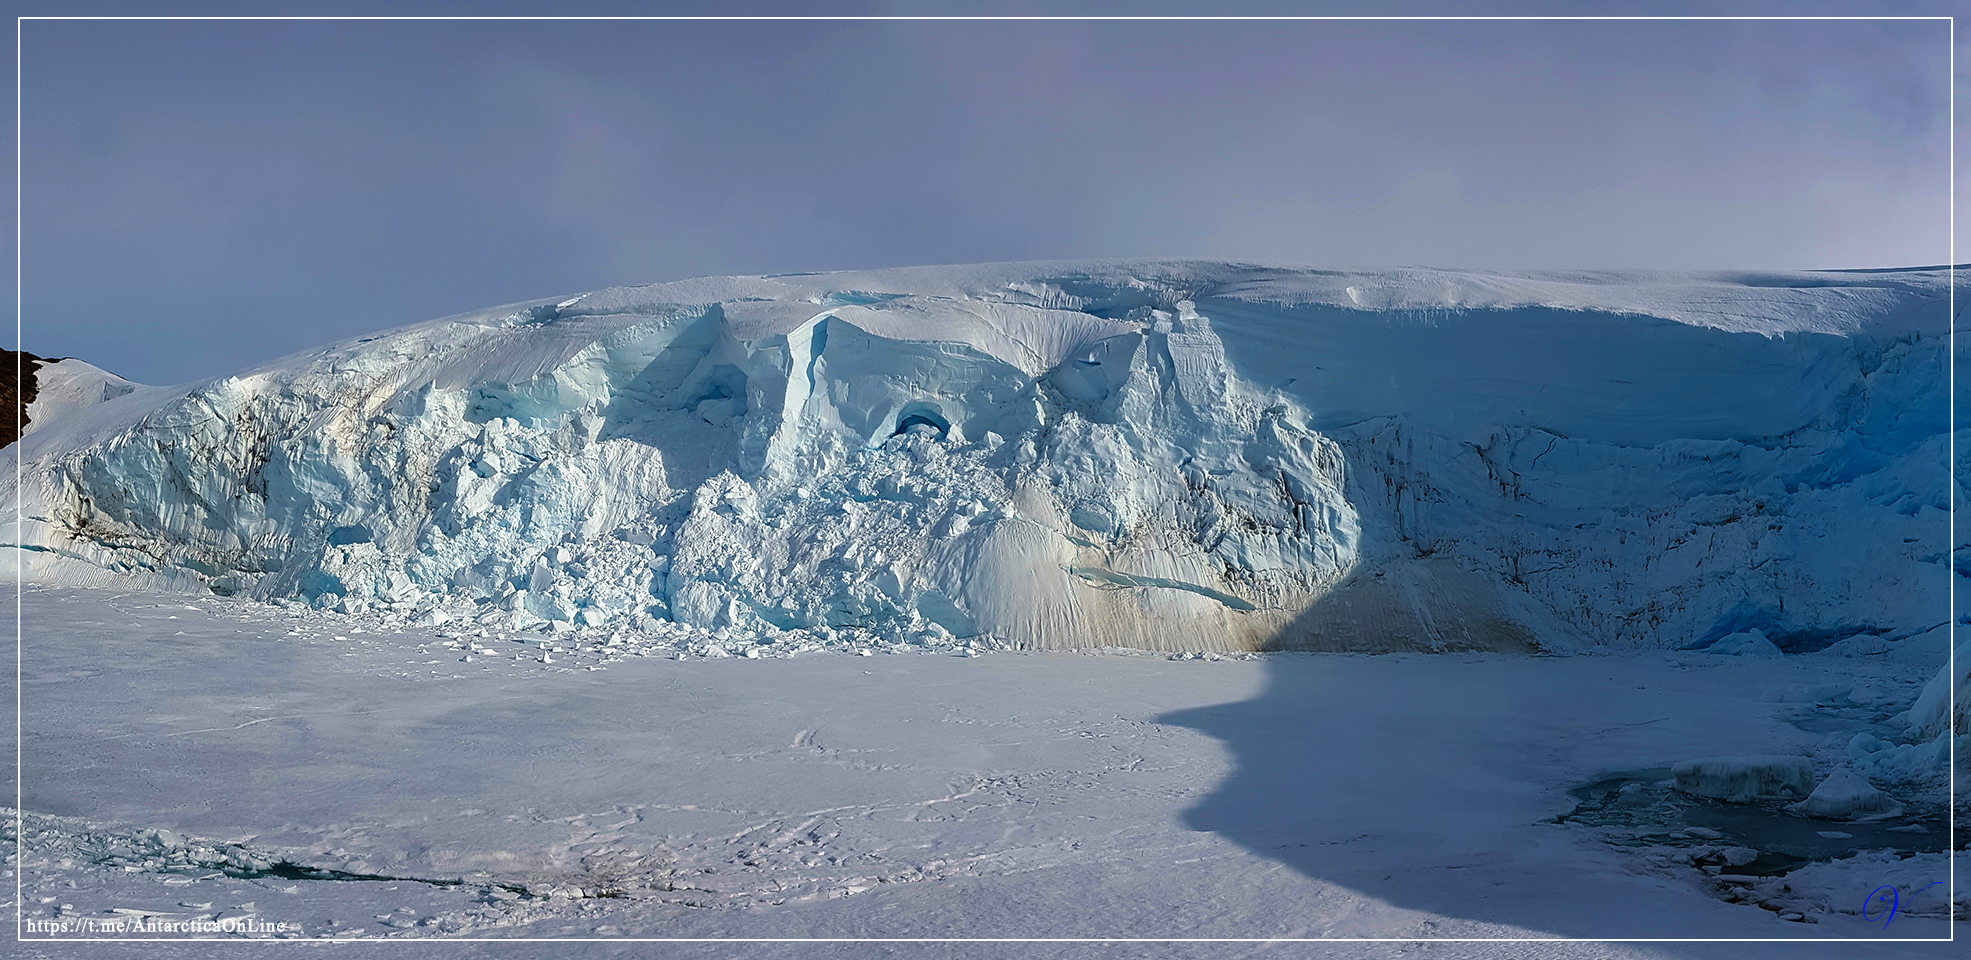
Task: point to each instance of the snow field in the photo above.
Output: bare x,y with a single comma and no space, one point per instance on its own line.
1014,794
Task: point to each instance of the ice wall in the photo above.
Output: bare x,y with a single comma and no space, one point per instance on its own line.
1157,454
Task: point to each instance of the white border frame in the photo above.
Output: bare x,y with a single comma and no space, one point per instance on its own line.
1950,550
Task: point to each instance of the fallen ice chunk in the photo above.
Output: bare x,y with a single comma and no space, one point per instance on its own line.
1751,643
1744,779
1738,856
1842,794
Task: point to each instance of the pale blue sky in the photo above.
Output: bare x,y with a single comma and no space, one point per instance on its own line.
202,196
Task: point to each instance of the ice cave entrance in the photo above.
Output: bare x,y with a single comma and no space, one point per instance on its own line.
922,415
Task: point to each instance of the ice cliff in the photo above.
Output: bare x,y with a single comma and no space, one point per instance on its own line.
1173,455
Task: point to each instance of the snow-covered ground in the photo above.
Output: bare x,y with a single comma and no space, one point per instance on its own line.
176,751
924,602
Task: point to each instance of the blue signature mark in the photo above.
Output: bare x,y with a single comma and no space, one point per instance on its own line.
1892,897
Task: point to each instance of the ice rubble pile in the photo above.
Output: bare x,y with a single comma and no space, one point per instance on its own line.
1169,455
1932,725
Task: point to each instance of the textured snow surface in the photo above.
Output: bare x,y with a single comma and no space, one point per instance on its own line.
172,746
1164,455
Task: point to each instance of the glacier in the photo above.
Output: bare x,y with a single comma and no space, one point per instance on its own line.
1160,454
1725,498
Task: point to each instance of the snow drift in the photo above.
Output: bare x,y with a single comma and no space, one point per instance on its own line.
1170,455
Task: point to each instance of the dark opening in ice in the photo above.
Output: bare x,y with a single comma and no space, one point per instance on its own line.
922,416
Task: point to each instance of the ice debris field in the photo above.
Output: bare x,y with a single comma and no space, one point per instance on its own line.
1152,458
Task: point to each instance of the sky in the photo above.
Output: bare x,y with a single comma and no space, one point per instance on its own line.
199,197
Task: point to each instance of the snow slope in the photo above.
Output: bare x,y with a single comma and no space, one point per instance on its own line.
1165,455
66,388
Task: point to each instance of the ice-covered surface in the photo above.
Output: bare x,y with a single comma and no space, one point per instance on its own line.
215,759
1171,455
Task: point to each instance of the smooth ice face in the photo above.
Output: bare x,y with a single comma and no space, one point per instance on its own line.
1744,779
1141,453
